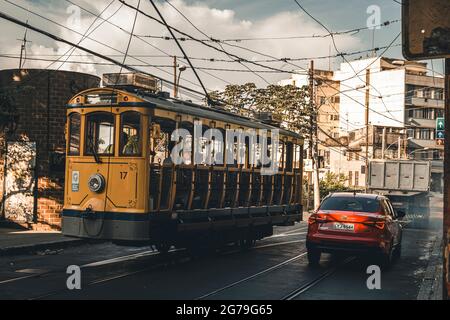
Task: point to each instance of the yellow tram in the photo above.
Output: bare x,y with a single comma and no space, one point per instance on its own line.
121,185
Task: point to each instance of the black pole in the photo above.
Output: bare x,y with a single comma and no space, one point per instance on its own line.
446,229
208,100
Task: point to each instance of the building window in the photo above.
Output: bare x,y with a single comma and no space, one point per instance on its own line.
410,133
423,134
350,178
439,113
350,156
439,94
356,178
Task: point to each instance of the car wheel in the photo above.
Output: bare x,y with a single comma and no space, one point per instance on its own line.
386,259
314,256
398,251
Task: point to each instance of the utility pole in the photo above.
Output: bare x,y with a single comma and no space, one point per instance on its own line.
383,143
314,138
447,180
367,126
175,86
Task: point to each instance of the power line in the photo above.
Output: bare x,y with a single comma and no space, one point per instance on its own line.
204,34
208,99
206,44
343,57
314,36
59,39
90,38
147,43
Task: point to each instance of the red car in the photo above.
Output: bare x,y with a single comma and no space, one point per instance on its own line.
355,223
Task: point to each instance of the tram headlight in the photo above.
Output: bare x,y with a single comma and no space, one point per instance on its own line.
96,183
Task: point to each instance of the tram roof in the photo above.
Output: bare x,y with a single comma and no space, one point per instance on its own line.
190,108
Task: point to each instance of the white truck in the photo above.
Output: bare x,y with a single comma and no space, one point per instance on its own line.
406,183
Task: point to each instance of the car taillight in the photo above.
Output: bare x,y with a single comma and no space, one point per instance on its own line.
317,218
312,219
379,224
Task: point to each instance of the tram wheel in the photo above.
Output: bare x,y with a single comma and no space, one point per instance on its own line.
163,248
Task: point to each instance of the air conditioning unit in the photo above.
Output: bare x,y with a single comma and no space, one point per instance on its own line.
130,80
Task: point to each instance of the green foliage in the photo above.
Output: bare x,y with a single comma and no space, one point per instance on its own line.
288,102
333,182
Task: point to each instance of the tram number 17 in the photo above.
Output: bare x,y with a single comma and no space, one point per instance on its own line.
123,175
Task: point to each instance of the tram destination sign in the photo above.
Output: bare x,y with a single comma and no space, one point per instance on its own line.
426,29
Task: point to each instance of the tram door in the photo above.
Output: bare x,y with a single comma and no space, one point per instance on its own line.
20,181
126,172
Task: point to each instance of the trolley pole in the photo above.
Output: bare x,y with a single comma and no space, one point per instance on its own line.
447,183
367,127
175,86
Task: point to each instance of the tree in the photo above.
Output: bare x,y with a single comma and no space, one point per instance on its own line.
333,182
290,103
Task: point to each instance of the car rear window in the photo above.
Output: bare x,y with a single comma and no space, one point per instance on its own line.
351,204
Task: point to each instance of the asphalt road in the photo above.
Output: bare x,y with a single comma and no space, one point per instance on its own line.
276,268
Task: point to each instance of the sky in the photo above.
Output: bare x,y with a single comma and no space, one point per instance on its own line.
220,19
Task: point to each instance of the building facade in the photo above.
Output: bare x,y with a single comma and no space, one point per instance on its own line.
326,91
404,103
32,148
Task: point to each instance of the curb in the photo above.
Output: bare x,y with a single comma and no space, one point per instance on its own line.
431,287
43,246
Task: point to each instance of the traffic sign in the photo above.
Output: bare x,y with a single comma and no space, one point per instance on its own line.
440,124
440,131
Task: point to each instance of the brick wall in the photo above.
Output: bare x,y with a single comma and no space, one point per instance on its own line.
40,97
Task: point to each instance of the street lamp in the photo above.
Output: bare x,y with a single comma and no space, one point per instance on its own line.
180,69
396,142
412,152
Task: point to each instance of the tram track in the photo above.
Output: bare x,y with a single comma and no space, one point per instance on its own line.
293,294
174,256
150,253
310,284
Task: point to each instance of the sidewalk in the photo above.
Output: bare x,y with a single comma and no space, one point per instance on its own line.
431,288
17,241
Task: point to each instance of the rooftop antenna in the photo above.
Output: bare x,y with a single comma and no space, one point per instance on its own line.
23,48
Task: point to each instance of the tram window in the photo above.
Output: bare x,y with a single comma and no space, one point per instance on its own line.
130,134
215,150
161,144
74,134
298,156
99,133
257,152
288,156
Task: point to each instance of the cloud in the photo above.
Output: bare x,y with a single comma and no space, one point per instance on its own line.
222,24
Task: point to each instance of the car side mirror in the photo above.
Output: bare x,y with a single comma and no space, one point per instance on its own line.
401,214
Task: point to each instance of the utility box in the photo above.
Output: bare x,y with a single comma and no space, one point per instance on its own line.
400,175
